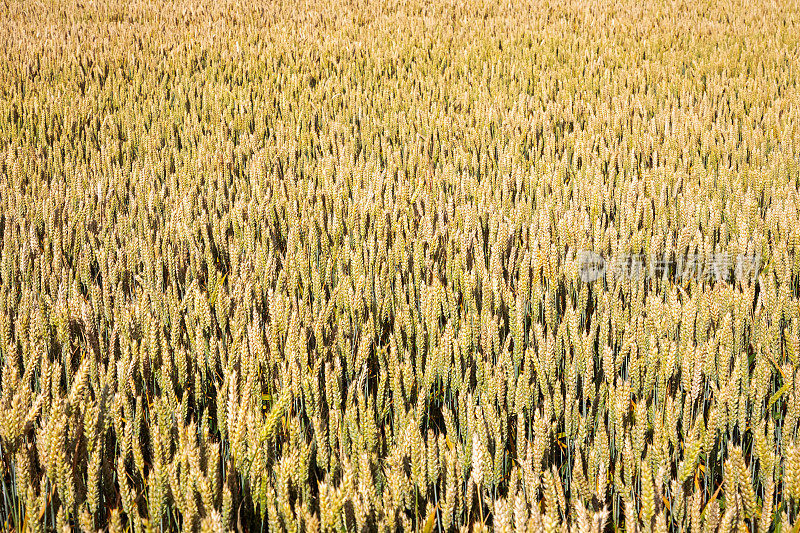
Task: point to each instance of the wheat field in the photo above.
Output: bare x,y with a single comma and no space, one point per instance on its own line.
391,266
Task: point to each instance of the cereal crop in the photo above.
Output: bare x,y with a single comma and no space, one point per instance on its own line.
399,265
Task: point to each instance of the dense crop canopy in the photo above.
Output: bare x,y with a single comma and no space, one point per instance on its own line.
300,266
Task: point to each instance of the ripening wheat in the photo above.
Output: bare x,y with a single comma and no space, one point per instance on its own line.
321,266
